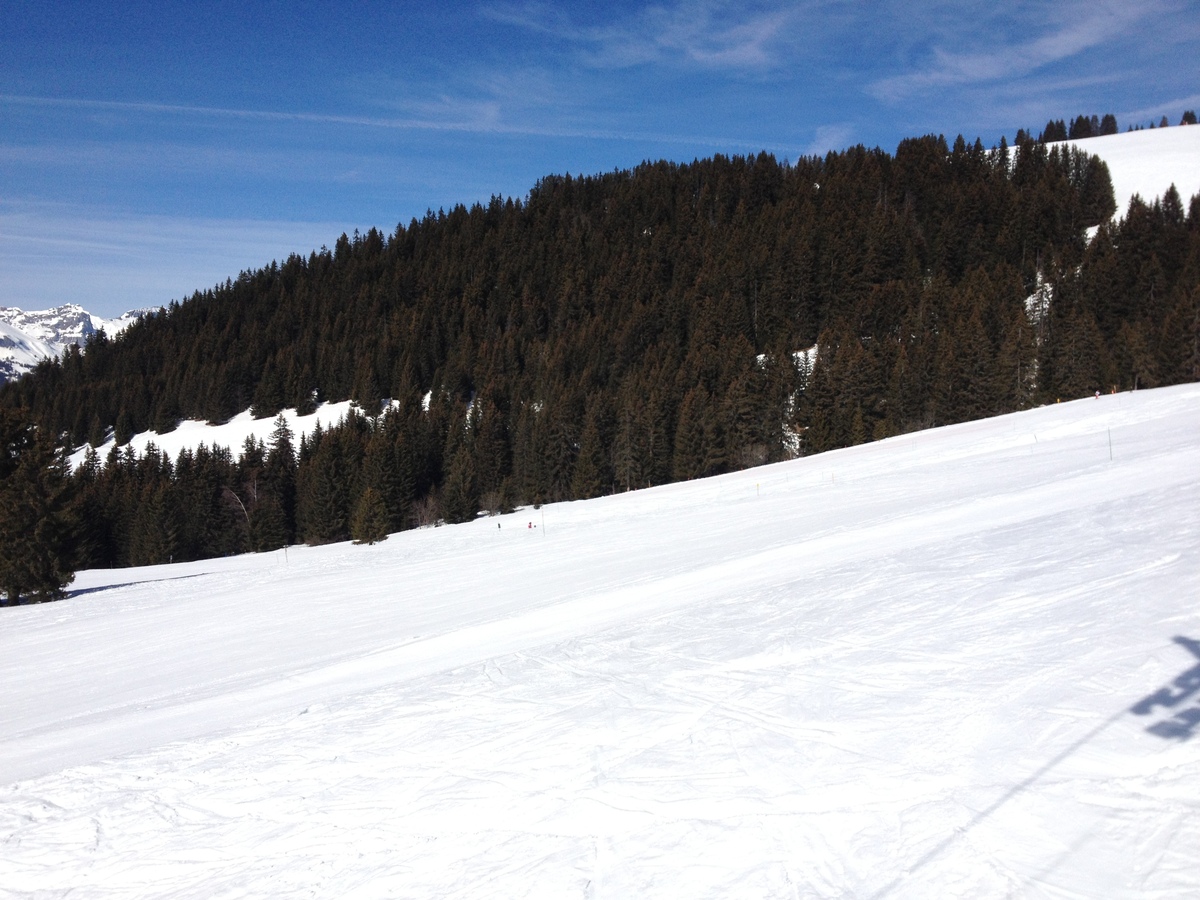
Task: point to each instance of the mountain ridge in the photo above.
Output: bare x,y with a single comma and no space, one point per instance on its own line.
29,336
1142,163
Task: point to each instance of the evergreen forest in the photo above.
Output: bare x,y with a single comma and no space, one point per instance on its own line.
616,331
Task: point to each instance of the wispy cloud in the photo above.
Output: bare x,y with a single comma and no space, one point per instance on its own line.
59,253
443,113
830,137
494,98
709,34
1070,29
438,123
1172,109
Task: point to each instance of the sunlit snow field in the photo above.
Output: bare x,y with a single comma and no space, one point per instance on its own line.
908,669
1148,162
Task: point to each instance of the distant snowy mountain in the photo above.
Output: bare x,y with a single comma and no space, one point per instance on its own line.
18,351
27,337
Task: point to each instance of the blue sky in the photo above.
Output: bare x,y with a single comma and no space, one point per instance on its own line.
148,150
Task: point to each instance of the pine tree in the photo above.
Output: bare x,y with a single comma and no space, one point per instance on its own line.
156,525
268,524
36,526
279,475
369,523
268,395
593,465
93,537
1179,338
819,417
559,452
966,376
743,417
322,489
699,444
1056,130
1015,373
385,469
490,447
460,500
651,293
1137,365
1079,356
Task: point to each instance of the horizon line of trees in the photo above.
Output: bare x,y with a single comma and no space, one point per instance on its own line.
585,276
1083,127
625,330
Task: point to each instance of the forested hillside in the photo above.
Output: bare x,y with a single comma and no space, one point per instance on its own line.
628,329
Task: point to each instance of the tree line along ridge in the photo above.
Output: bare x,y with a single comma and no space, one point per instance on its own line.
622,330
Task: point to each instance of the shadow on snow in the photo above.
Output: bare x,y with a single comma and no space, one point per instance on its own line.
1181,725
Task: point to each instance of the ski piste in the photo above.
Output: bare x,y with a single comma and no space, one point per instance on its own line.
959,662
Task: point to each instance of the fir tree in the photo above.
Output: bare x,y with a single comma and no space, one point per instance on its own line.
593,466
279,475
460,500
699,443
323,486
36,526
268,524
369,523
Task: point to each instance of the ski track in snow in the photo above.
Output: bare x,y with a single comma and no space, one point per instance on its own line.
900,670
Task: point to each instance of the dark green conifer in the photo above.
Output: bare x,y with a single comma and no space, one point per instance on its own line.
36,523
369,525
699,443
323,488
279,475
268,524
460,499
593,465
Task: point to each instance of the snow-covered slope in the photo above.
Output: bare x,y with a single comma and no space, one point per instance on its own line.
27,337
191,433
1148,162
958,663
19,352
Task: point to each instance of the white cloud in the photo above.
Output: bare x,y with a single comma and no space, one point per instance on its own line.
486,107
1172,109
1071,29
830,137
710,34
442,117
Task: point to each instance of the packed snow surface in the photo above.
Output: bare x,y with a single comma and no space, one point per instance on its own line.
958,663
